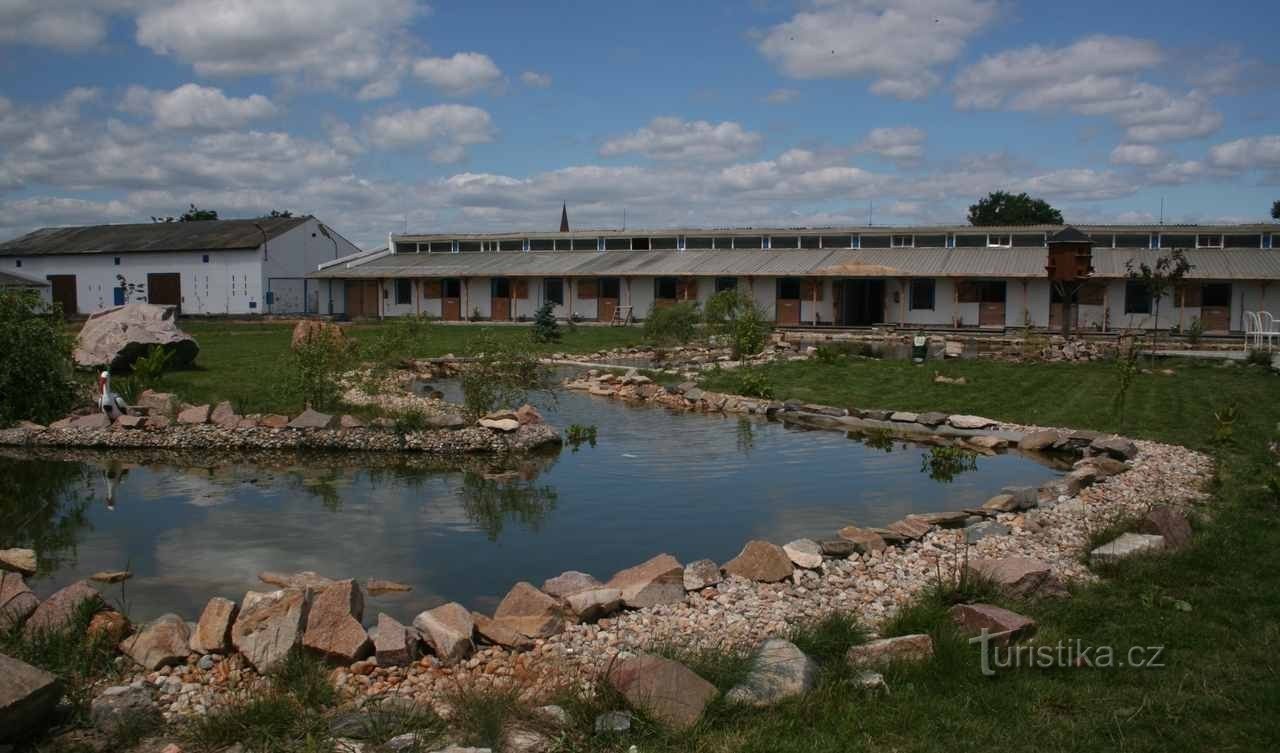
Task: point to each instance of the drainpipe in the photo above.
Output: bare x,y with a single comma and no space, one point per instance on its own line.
264,258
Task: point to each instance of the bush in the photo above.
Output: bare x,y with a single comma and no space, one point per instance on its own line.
674,324
312,373
1195,331
753,383
545,327
36,378
736,317
1258,357
500,374
828,355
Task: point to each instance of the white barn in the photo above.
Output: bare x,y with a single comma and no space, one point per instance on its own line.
239,267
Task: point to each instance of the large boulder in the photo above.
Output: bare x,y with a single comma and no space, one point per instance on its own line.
1018,577
804,553
657,581
270,626
115,338
761,561
122,705
779,670
59,611
500,633
533,613
28,695
1002,625
593,604
213,630
669,692
17,602
1168,522
19,561
315,332
447,630
334,625
902,648
700,574
394,645
570,582
164,642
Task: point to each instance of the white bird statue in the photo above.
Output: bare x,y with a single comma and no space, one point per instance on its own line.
110,403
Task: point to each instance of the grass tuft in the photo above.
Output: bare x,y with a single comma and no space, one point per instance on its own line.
305,677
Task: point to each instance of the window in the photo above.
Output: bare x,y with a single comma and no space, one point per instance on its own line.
1177,241
617,244
204,259
999,240
639,244
541,244
1208,241
1216,294
874,241
726,283
921,295
116,261
1133,240
784,241
610,287
970,241
1029,240
404,291
664,288
1136,298
1242,241
697,242
553,290
452,287
564,244
931,241
811,241
789,288
468,246
585,244
903,241
17,262
500,287
511,245
663,244
440,247
748,241
837,241
724,242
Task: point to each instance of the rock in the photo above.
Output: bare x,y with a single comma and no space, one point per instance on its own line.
1024,497
666,690
109,626
804,553
447,630
1019,577
158,403
121,704
28,696
1004,626
516,739
932,418
527,414
779,670
553,713
273,421
886,650
988,442
961,421
376,586
348,421
17,602
1127,545
659,580
312,419
693,395
904,416
317,332
224,415
196,414
1168,523
594,604
499,424
500,634
839,548
19,561
449,421
91,421
979,531
270,625
157,422
868,680
1104,466
569,582
59,611
760,561
304,579
394,645
948,519
1038,441
700,574
1001,503
1119,448
115,338
111,576
613,721
877,415
863,539
164,642
129,422
334,626
1078,479
911,527
531,612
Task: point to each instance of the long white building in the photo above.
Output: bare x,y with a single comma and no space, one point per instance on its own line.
953,276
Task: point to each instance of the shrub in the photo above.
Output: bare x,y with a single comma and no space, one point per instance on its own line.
36,379
545,327
736,317
576,434
1194,331
1258,358
312,373
149,369
753,383
674,324
828,355
500,374
409,421
943,464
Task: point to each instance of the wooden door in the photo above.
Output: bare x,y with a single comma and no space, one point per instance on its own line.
991,314
609,291
164,289
372,297
362,298
451,299
63,292
500,310
1055,316
1215,307
788,298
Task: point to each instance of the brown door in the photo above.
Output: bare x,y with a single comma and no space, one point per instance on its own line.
165,289
63,291
991,304
451,299
788,301
362,298
1055,316
500,300
1215,307
610,295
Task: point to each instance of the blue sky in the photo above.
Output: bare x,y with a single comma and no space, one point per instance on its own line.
378,115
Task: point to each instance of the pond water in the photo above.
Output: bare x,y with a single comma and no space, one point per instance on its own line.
656,480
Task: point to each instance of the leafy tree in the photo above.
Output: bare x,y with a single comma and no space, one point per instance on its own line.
673,324
1167,274
312,370
1003,208
545,327
277,214
1275,209
736,317
501,375
36,380
194,214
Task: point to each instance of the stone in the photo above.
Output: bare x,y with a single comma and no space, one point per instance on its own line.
779,670
1024,497
904,416
760,561
348,421
911,527
1119,448
499,424
517,739
988,442
109,626
948,519
613,721
659,580
447,630
864,540
21,561
158,422
449,421
594,604
376,586
693,395
163,642
1038,441
932,418
868,680
531,612
270,625
273,421
569,582
1078,479
312,419
315,331
961,421
28,696
17,601
700,574
1001,503
158,403
553,713
1103,465
1019,577
111,576
59,611
1003,625
528,415
120,704
987,528
840,548
304,579
804,553
666,690
334,626
394,645
1126,545
878,653
129,422
877,415
224,415
500,633
92,421
1168,523
196,414
117,337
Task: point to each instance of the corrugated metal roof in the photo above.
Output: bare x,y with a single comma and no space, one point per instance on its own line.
208,235
15,279
1206,264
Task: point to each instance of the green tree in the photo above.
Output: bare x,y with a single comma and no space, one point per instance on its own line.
674,324
1275,209
277,214
193,214
501,374
737,318
1004,208
545,327
36,379
1167,274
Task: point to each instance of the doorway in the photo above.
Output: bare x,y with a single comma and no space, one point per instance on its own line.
165,289
362,298
610,297
788,296
63,293
991,302
860,303
500,299
1215,306
451,299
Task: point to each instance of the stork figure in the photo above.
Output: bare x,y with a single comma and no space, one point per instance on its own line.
110,403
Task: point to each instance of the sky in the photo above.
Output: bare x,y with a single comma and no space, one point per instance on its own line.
384,116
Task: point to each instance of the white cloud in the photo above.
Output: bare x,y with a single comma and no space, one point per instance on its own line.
462,73
1177,173
1095,76
1256,152
896,43
196,106
1136,154
67,25
671,138
1076,184
901,144
535,79
781,96
447,130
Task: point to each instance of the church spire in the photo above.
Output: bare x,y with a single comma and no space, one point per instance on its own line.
564,217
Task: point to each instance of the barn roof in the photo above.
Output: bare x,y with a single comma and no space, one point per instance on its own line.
207,235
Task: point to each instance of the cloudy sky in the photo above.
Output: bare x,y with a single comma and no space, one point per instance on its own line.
381,115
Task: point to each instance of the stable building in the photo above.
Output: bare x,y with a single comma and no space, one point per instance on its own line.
252,266
919,277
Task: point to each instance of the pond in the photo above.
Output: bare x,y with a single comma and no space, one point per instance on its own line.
656,480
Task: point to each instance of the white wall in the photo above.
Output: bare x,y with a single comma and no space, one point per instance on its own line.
290,257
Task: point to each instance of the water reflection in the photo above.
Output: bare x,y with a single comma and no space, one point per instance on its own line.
44,506
490,502
943,464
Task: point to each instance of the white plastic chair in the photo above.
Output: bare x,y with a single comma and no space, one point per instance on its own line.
1252,324
1267,328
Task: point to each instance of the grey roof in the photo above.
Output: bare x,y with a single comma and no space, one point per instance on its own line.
15,279
1017,262
208,235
